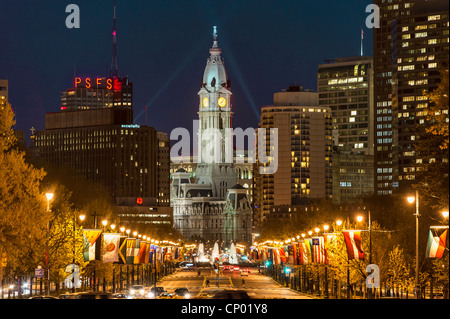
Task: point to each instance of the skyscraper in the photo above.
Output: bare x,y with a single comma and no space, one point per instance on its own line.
346,86
409,48
304,151
93,133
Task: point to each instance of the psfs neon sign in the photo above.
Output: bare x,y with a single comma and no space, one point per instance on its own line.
99,83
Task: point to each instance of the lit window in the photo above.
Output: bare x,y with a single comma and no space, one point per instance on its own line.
434,17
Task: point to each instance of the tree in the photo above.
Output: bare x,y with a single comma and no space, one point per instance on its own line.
23,214
399,271
65,235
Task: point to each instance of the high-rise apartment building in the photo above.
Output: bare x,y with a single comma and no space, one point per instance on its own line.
410,47
346,86
304,156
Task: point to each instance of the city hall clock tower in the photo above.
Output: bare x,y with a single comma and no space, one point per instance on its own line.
215,151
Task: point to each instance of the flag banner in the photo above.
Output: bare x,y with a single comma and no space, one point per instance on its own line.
131,243
319,249
330,239
136,251
353,242
276,256
294,254
437,240
282,254
309,249
123,250
90,237
110,247
147,253
151,254
142,248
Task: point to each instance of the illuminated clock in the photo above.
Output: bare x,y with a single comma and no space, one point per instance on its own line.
205,102
222,101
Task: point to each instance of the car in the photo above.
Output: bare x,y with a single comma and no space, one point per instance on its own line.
166,295
120,295
68,296
156,291
245,272
204,295
95,295
137,291
236,268
186,264
231,294
183,292
43,297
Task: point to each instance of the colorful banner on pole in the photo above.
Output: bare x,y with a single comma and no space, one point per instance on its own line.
319,249
123,250
437,240
91,241
353,242
110,247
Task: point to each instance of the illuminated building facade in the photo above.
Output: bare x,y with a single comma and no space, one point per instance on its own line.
346,86
304,152
97,92
410,47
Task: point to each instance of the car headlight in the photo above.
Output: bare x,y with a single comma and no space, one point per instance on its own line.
142,291
151,295
187,296
132,291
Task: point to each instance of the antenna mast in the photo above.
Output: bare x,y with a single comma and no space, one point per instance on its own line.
114,69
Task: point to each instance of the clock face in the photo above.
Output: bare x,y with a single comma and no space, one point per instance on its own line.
222,102
205,102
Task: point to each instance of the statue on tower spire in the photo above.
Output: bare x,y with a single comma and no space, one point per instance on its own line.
215,37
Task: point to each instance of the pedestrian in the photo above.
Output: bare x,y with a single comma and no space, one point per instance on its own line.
207,282
243,282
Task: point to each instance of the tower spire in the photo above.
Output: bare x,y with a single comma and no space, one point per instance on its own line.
114,71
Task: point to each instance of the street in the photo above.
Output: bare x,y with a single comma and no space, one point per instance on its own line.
256,285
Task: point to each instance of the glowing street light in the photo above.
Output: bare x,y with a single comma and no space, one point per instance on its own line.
445,214
412,199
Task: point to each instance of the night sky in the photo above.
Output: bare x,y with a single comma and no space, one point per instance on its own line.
163,47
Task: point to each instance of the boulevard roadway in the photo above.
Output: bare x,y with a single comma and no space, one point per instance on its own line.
256,285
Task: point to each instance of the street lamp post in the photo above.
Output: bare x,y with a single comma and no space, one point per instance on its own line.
49,198
360,218
412,199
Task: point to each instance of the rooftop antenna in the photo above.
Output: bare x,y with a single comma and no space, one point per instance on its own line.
114,69
362,37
